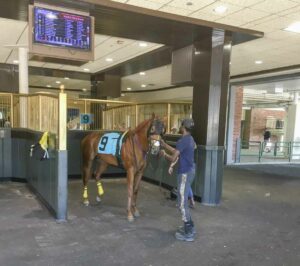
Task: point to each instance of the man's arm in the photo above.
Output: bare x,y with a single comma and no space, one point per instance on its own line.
174,153
167,146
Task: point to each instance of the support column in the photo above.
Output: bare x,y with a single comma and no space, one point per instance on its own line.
62,159
23,84
293,126
210,93
230,127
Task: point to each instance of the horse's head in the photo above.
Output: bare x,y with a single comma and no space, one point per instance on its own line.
156,131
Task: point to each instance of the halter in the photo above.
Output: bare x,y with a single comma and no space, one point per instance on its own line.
158,130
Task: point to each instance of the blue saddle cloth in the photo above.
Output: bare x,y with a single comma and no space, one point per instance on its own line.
111,143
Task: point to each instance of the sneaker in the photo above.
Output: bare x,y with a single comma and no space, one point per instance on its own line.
188,237
181,230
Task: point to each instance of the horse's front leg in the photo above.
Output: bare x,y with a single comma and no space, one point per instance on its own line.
137,181
130,181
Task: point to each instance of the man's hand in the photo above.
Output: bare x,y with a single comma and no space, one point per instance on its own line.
170,171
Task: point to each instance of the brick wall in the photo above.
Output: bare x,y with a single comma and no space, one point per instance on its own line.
238,109
258,122
257,125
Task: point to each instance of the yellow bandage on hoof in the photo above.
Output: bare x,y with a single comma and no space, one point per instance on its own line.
85,193
100,188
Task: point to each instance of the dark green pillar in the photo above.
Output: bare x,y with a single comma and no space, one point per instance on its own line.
210,90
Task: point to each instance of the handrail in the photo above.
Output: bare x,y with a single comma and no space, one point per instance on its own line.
129,103
267,150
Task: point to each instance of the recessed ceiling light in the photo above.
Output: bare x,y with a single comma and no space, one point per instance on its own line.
86,69
16,61
109,59
220,9
143,44
278,90
48,86
197,52
122,94
84,89
57,82
142,73
258,62
129,89
143,86
294,27
67,78
189,3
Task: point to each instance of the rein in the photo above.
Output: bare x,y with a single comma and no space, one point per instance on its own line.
135,142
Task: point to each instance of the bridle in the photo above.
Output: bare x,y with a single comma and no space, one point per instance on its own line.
154,137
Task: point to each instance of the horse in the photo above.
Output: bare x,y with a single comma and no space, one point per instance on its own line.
136,144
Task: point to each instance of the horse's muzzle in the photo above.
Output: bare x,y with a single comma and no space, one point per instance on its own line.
155,146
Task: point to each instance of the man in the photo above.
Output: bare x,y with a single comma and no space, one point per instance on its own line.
267,141
184,152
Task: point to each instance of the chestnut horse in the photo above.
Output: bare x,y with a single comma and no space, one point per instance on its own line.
136,145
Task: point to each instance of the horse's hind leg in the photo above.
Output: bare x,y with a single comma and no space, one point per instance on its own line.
101,167
86,173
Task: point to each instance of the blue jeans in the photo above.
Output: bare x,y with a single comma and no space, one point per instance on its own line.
184,182
191,195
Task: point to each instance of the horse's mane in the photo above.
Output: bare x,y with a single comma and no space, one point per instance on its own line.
142,125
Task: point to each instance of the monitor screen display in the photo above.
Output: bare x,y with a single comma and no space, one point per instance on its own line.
59,28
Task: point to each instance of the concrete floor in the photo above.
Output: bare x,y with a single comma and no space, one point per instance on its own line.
258,223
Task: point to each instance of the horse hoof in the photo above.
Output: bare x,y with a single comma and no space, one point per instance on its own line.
130,218
98,199
86,202
136,213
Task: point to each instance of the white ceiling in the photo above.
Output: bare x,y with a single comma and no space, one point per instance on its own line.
43,81
15,32
277,49
153,79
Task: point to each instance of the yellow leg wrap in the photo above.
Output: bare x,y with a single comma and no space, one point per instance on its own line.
85,193
100,188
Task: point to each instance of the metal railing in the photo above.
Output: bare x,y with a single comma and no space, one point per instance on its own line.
118,115
32,111
266,151
40,112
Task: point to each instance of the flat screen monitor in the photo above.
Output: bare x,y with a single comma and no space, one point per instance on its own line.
63,29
